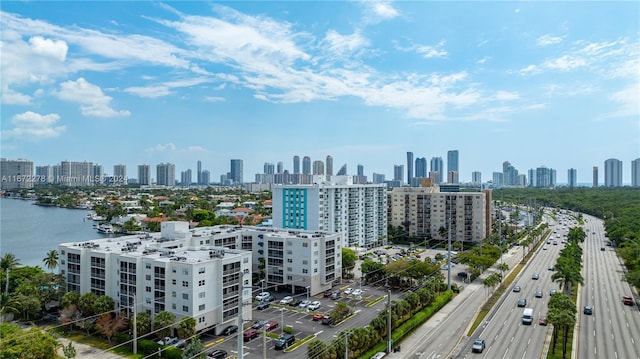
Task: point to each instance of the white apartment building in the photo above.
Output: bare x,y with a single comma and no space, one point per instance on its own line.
423,211
334,204
199,272
18,174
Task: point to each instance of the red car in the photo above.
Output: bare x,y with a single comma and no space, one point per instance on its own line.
250,334
627,300
542,321
272,324
318,316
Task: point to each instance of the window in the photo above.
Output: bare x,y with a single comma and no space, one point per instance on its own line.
185,296
289,260
305,245
173,305
147,277
305,262
201,320
185,308
201,270
173,294
200,283
185,271
289,269
147,289
315,270
173,281
201,294
245,260
305,271
147,265
201,307
185,284
173,269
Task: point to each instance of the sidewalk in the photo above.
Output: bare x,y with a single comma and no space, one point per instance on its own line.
87,352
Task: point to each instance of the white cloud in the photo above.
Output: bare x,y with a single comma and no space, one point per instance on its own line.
197,149
426,51
214,99
93,102
149,91
344,44
547,39
34,126
47,47
565,63
162,148
629,100
506,96
10,97
377,11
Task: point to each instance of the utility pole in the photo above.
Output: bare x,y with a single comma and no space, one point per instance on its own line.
449,245
135,326
264,332
346,345
389,321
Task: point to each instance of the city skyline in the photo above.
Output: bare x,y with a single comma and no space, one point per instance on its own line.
535,84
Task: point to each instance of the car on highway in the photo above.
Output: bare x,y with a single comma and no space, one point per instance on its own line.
553,291
627,300
542,321
544,247
551,268
271,325
588,310
522,302
516,288
478,345
262,296
250,334
535,276
313,305
538,294
286,300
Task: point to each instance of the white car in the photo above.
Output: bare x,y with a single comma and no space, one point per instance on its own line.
286,300
356,292
262,296
348,291
304,303
313,305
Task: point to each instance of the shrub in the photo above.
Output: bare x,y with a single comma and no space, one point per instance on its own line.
288,329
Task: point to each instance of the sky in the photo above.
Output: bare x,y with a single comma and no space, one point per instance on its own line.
535,83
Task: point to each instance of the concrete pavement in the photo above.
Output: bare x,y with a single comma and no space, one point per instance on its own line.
87,352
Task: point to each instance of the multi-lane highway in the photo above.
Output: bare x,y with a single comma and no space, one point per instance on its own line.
613,331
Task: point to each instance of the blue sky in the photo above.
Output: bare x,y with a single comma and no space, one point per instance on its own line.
542,83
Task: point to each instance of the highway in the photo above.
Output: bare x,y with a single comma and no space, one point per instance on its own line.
613,331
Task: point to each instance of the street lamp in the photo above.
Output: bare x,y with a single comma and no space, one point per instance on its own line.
282,321
264,331
307,306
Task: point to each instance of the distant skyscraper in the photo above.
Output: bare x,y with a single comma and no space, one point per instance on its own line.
452,177
44,174
545,177
421,167
378,177
476,177
510,174
166,174
318,167
329,166
236,171
280,167
144,175
206,177
119,174
436,166
296,165
269,169
342,171
409,167
398,173
98,174
452,162
360,170
185,178
595,176
635,172
199,174
572,177
16,173
77,173
498,179
613,173
306,165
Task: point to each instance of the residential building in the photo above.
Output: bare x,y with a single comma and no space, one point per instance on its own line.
76,174
436,164
452,162
544,177
635,173
144,175
318,168
206,177
306,165
452,177
572,177
329,164
16,174
476,178
44,175
99,177
409,167
342,171
498,179
421,167
185,178
296,165
595,176
398,173
357,212
120,174
236,171
378,177
424,211
166,174
613,173
199,174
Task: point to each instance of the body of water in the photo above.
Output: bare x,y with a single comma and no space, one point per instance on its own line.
29,231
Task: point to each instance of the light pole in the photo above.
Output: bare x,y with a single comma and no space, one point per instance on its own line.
264,331
307,306
282,321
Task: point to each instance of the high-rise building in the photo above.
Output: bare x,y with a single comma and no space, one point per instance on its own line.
595,176
206,177
398,173
280,167
16,174
76,173
269,168
329,166
498,179
98,174
306,165
452,177
452,162
296,165
613,173
476,178
199,174
572,177
545,177
437,165
119,174
378,177
510,174
318,167
166,174
144,175
357,212
236,171
185,178
635,172
360,170
409,167
342,171
421,167
44,175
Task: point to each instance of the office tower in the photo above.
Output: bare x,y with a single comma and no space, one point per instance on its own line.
206,177
199,174
280,167
306,165
144,175
421,167
44,175
296,165
77,173
166,174
236,171
329,166
119,174
613,173
409,167
378,177
342,171
185,178
635,172
595,176
522,180
398,173
360,170
16,173
572,178
498,179
318,168
476,178
452,163
269,169
423,211
437,165
532,178
510,174
98,174
356,212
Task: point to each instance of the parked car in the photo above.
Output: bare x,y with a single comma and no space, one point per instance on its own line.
167,341
627,300
295,302
348,291
313,305
271,325
356,292
217,354
327,320
463,275
318,317
262,296
263,305
327,293
258,324
335,295
286,300
179,344
229,330
304,303
478,346
285,341
588,310
250,334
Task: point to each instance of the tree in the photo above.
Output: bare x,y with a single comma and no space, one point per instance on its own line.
194,349
69,351
186,327
32,343
7,263
70,298
349,258
51,260
86,304
143,323
163,323
108,325
103,304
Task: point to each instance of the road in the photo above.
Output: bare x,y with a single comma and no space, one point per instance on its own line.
613,331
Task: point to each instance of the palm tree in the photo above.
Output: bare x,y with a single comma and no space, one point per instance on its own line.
51,260
7,263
